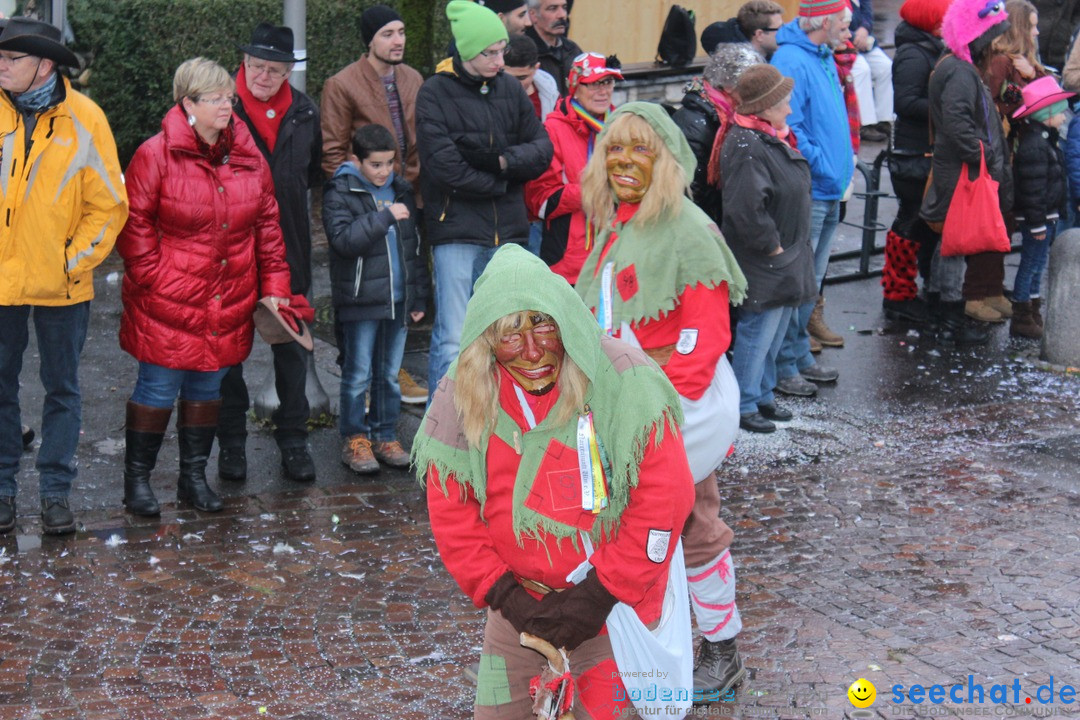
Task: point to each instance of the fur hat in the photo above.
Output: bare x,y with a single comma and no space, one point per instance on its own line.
967,20
761,87
926,15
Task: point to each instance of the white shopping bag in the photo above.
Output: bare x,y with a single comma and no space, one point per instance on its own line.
643,655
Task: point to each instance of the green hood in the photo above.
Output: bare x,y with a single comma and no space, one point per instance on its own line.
517,280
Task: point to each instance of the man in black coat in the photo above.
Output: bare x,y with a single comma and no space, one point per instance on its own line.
285,125
480,141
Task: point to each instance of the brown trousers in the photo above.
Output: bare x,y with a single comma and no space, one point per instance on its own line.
705,535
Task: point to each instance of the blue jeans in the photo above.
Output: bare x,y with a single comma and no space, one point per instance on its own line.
457,266
795,351
157,386
536,236
1033,256
373,352
757,341
61,334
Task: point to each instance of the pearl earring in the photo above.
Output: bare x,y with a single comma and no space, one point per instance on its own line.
191,120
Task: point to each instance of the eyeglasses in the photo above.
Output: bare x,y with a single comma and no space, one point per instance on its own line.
605,84
770,30
4,60
218,100
492,54
273,73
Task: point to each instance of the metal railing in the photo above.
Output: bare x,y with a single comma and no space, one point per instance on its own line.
870,226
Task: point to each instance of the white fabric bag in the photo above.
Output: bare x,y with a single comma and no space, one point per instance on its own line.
642,655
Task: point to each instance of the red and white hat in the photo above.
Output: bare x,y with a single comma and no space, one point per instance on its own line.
592,67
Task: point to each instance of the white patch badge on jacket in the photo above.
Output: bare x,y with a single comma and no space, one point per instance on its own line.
687,341
657,546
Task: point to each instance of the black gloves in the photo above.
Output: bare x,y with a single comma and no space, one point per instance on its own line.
486,160
513,601
568,618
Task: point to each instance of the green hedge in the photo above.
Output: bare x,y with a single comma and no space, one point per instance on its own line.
134,46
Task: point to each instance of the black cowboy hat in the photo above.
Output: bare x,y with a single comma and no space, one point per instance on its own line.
271,43
23,34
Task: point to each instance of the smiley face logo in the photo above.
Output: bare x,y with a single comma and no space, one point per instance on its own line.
862,693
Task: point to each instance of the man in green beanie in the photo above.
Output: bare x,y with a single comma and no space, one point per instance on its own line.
543,436
479,141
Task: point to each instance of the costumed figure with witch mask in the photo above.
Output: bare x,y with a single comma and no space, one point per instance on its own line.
545,439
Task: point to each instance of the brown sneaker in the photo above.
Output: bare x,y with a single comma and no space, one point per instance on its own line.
982,311
817,328
356,453
1001,304
390,453
412,392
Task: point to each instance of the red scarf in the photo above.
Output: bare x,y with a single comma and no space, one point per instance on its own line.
753,122
725,110
264,117
218,153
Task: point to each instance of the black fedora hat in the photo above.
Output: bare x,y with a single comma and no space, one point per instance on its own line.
23,34
271,43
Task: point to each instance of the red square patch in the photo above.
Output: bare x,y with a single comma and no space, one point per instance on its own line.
626,282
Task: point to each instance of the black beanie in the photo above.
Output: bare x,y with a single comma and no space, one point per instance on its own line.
502,6
374,19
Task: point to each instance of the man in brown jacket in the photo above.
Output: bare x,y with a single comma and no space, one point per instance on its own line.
381,89
378,88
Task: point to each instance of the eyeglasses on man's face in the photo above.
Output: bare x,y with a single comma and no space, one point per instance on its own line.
257,68
12,59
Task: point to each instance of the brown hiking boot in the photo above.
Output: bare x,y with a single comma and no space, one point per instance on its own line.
818,329
1023,322
356,453
982,311
815,346
390,453
412,392
1001,304
1036,314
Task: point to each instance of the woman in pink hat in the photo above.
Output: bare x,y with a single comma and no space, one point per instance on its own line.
1041,194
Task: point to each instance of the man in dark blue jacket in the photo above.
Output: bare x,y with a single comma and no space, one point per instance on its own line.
820,122
480,141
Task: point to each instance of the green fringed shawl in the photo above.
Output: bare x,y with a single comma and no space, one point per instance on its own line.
668,256
628,394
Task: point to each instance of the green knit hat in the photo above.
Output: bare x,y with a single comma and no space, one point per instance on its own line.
474,27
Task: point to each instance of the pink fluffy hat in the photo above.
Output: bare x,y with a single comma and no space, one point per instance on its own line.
967,20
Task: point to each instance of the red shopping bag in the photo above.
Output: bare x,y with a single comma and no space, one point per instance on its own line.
974,223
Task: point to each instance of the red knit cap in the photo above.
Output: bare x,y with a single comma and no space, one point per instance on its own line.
816,8
926,15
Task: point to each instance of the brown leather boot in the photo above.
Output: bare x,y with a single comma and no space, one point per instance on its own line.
1036,307
1023,322
818,329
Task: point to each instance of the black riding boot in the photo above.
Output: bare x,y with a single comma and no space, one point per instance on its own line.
196,427
145,428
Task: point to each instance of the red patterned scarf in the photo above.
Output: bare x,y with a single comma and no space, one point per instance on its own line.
725,109
753,122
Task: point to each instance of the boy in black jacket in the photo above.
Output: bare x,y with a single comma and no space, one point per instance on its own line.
1041,195
379,282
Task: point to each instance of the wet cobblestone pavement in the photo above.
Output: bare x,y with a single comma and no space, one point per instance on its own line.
884,534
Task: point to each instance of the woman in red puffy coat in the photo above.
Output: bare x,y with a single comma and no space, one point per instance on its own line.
201,246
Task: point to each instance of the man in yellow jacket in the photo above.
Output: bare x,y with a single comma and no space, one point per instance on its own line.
63,205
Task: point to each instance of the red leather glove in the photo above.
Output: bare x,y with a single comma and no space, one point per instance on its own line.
569,618
512,600
298,308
